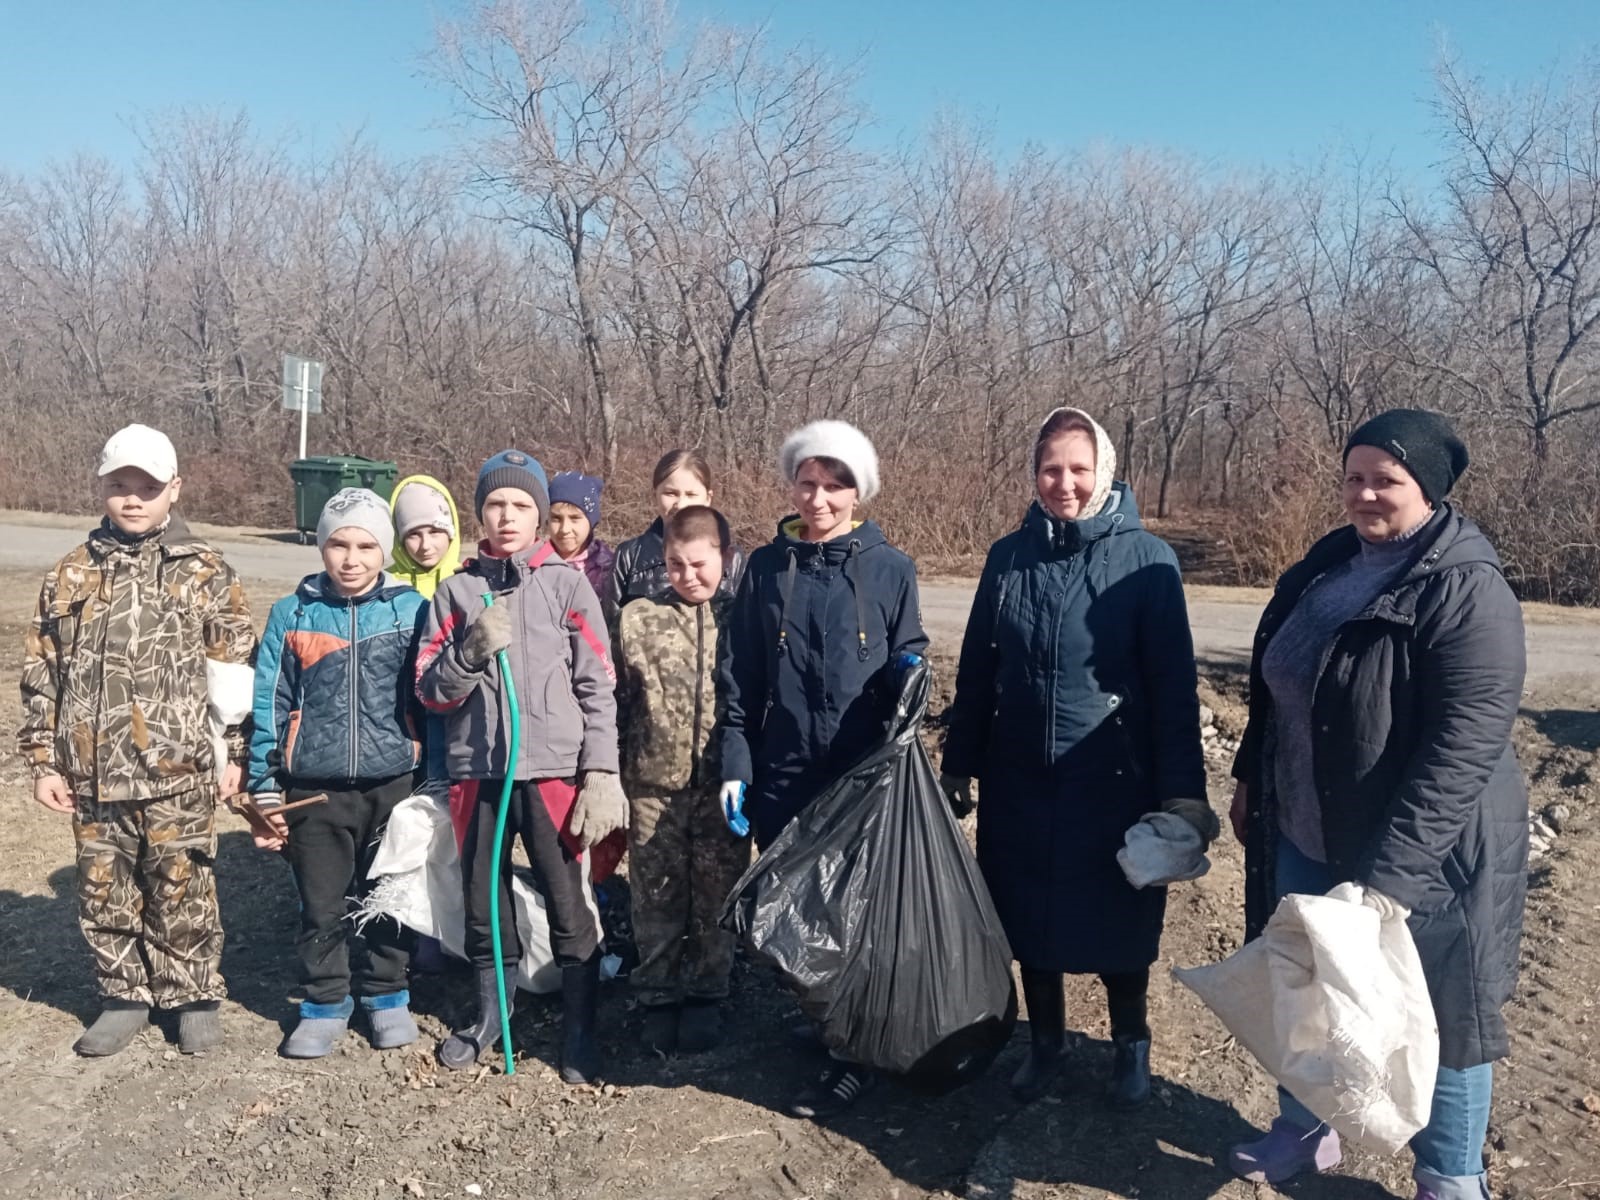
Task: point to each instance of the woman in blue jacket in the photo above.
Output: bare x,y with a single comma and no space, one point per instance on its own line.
822,611
1076,706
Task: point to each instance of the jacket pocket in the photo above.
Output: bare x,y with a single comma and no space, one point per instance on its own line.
563,718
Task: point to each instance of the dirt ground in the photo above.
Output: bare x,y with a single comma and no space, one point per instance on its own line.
242,1122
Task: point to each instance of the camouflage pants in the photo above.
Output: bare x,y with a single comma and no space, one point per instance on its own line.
147,897
682,864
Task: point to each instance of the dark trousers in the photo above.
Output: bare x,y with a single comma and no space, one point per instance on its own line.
1126,1002
331,845
560,877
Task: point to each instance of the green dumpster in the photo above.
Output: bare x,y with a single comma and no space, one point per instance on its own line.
317,479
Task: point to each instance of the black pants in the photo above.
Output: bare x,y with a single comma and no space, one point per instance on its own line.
1126,1003
561,878
330,847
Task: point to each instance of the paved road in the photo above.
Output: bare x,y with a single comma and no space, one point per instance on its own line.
1562,654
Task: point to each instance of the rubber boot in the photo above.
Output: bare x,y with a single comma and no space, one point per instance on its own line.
1129,1085
660,1032
461,1049
1047,1026
199,1027
580,996
700,1027
119,1022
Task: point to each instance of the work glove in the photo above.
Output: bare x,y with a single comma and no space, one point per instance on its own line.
732,798
1199,814
1387,909
489,634
601,808
957,791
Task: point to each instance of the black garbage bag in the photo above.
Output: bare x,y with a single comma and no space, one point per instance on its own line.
871,907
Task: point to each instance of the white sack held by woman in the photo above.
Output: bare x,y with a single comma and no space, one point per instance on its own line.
1331,1000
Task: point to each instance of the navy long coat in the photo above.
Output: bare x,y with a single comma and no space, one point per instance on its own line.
1076,708
811,631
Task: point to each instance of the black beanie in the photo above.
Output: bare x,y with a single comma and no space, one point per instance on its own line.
1423,441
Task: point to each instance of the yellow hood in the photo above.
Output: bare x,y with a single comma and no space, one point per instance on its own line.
427,579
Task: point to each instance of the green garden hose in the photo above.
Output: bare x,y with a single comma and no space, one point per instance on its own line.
514,715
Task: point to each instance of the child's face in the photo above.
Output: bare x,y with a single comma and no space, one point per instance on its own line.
679,490
510,520
426,546
136,502
694,569
569,529
353,559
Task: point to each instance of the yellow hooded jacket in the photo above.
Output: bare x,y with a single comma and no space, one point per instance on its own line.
427,579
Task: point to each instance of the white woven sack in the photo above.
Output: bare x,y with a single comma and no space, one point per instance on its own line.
417,875
1331,1000
230,695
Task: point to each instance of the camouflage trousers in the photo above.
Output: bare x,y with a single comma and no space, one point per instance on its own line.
147,897
682,864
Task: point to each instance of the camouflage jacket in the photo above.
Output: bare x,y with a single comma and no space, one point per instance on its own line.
114,674
666,657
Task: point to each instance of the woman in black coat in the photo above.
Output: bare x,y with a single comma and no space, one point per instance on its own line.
1076,706
1386,676
822,612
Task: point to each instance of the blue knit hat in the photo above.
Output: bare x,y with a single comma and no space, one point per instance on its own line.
579,490
513,469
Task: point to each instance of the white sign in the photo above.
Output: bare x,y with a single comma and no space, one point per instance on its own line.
302,384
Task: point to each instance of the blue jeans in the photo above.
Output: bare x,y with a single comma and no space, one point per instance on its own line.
1449,1149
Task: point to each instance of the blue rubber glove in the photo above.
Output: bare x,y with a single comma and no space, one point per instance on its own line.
733,807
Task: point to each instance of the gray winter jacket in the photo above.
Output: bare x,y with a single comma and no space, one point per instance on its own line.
560,663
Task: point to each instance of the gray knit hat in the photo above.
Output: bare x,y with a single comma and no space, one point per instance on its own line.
357,508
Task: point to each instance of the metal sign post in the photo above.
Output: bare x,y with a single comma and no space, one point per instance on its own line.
302,389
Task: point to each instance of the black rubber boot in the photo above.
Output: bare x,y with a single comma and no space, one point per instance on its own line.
1047,1025
700,1027
461,1049
119,1022
1129,1085
580,997
660,1032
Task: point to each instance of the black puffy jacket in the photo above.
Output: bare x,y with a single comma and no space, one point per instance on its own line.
1422,796
640,572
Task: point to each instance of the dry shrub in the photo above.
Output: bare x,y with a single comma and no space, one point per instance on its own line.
1277,520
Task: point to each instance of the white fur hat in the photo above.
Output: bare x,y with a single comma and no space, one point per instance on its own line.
832,439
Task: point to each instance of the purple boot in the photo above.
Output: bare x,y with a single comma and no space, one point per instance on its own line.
1286,1151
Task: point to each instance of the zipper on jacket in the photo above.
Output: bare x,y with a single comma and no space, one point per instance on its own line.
355,699
699,690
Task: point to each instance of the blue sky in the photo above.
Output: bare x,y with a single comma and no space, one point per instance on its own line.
1246,82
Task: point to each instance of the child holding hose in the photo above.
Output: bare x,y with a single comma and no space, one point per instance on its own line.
562,794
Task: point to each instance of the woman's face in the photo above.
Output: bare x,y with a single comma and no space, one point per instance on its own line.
426,546
826,504
1065,479
569,529
1381,498
681,489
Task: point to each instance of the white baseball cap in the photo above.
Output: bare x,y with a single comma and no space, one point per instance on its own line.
139,446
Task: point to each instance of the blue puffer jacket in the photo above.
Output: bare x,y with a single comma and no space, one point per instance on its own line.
812,628
334,699
1076,706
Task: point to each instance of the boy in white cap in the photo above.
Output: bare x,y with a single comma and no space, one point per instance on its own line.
335,716
135,630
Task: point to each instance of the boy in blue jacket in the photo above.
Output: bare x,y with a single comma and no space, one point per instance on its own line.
335,714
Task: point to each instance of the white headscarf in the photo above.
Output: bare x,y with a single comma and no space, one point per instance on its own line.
1105,454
